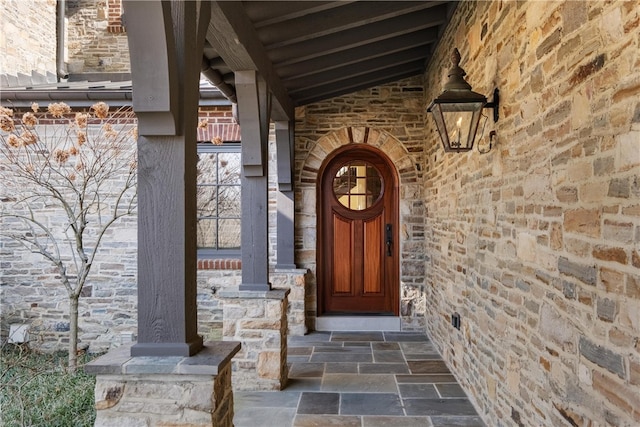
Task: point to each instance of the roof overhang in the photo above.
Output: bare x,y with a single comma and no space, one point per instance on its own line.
306,51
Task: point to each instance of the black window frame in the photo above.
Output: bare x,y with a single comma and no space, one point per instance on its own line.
225,147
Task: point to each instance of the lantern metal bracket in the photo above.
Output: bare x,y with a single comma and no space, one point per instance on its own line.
495,104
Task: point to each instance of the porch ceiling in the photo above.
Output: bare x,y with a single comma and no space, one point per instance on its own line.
309,51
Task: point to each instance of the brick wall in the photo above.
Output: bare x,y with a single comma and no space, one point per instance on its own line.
28,36
537,244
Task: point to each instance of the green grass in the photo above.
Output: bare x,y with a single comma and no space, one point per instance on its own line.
37,390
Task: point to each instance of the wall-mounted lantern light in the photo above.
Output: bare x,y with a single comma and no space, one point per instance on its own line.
458,109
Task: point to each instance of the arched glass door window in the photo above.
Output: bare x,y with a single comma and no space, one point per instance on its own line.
357,185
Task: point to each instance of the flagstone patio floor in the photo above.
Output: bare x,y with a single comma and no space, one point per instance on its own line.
360,379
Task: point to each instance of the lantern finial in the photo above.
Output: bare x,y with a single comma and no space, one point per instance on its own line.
455,57
456,74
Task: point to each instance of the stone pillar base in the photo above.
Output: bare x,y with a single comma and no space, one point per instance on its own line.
294,279
165,391
258,319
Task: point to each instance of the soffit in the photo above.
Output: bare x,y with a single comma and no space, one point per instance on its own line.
309,51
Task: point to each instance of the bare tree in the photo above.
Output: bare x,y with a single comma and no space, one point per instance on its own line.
81,165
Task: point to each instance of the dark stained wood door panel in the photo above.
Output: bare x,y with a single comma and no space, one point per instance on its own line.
358,249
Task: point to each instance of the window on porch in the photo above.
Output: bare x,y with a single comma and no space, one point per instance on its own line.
218,190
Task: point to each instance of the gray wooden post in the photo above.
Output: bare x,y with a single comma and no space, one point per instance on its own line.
166,42
284,199
253,114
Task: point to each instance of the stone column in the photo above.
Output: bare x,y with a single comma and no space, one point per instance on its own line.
157,391
294,279
259,321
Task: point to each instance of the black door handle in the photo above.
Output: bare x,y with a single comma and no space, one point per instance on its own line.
388,238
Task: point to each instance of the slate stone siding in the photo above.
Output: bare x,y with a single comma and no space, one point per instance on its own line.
536,244
553,205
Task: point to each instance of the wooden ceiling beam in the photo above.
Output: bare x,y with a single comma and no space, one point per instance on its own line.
232,35
358,37
264,13
421,39
365,67
349,16
355,84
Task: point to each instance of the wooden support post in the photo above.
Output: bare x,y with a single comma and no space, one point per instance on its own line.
284,200
167,259
253,113
166,55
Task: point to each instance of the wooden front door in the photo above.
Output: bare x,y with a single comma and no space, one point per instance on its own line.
358,244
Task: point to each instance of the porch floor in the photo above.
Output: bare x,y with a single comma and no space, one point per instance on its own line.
361,379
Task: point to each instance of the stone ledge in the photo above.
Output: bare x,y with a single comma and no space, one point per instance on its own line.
289,269
278,294
213,357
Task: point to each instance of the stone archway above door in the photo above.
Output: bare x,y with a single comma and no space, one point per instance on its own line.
411,236
397,153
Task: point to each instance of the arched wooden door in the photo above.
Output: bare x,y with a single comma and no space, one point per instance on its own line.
358,243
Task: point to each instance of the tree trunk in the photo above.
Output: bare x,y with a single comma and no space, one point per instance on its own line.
73,332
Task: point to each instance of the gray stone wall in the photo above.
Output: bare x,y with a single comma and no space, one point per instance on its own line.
28,36
392,116
258,320
31,293
95,40
536,244
160,391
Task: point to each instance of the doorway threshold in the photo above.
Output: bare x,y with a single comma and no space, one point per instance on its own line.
358,323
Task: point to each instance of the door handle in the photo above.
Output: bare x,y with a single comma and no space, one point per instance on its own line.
388,238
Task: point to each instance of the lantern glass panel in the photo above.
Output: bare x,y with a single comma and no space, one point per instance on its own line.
457,124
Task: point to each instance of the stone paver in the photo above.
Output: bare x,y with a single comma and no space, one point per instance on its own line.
360,379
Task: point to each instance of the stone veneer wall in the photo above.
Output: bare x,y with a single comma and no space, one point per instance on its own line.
30,292
215,276
258,320
28,36
162,400
537,244
389,117
193,391
95,41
